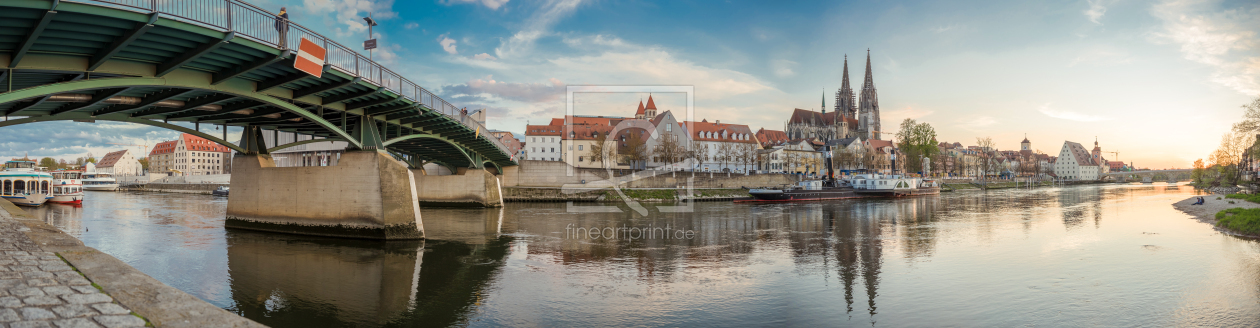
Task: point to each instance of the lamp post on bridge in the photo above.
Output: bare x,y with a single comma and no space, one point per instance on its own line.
370,43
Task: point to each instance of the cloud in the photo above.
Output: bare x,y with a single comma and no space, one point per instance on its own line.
897,115
1069,115
650,65
483,56
348,14
782,68
1223,39
943,29
1096,11
70,140
492,4
411,25
536,26
448,44
1101,57
976,123
595,40
476,89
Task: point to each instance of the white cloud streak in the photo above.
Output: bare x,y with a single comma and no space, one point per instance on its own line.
1096,11
1069,115
536,26
1224,39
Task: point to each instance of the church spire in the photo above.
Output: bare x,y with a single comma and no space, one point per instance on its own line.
868,106
845,96
870,81
824,102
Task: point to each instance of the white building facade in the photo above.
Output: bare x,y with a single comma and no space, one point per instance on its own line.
1076,163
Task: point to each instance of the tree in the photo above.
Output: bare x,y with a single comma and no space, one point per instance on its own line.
1197,174
634,150
48,162
699,152
91,160
601,151
144,163
748,155
986,161
916,141
669,149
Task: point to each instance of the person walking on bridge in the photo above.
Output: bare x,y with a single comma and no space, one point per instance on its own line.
282,26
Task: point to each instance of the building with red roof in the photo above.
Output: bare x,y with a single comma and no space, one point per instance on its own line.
190,155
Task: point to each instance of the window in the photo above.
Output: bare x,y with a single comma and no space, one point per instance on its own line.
579,147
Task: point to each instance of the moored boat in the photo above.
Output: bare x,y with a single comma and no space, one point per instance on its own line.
22,184
802,191
895,186
98,181
67,187
220,191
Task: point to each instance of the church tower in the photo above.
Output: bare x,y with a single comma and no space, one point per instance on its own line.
649,112
868,108
639,113
844,96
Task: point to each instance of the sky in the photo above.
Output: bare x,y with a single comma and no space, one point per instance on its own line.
1156,81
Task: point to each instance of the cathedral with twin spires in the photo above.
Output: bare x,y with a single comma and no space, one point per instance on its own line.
853,117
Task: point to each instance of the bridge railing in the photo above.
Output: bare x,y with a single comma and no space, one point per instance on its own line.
249,21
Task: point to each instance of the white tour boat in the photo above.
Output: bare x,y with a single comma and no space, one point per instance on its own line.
22,184
895,185
67,187
96,181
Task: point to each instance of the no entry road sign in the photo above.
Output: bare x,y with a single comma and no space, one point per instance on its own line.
310,58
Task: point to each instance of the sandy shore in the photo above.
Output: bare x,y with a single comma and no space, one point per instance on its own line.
1206,213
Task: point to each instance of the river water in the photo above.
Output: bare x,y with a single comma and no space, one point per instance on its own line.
1114,255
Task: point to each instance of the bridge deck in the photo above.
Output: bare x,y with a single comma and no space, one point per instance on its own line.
159,61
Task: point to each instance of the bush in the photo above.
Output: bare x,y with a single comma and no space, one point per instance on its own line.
1244,220
1246,197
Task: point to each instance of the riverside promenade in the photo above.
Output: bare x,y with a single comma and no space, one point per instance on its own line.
50,279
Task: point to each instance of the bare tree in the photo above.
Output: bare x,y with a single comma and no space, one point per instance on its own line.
986,158
634,150
601,152
669,149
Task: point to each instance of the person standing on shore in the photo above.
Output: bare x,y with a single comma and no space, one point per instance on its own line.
282,26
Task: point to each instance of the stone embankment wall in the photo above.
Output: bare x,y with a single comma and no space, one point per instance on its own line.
524,194
174,187
557,174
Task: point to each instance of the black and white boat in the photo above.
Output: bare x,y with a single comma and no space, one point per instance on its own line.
803,191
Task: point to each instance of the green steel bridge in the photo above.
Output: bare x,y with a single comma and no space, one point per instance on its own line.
220,62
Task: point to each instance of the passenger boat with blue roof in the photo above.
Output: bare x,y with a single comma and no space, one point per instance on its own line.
23,184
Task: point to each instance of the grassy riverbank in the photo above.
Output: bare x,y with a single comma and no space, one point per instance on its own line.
1242,220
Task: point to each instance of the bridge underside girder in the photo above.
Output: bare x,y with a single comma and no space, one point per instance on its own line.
91,62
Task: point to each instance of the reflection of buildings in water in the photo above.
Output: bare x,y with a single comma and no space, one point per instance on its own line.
68,218
1077,204
723,236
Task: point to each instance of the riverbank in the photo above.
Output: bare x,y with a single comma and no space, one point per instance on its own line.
1206,213
534,194
53,279
198,188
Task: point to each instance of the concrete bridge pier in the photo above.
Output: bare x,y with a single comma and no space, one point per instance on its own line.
368,194
467,187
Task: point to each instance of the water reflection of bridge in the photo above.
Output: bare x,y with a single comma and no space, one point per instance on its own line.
304,281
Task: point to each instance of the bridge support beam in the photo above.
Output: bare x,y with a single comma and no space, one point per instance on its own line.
368,194
466,188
